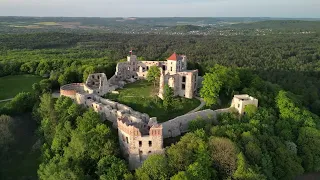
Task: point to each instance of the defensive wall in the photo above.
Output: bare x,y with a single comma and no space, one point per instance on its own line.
110,110
179,125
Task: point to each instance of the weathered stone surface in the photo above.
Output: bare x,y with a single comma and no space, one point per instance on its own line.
179,125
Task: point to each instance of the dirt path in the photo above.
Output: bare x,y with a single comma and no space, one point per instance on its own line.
199,107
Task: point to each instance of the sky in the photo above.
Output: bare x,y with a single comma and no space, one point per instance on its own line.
162,8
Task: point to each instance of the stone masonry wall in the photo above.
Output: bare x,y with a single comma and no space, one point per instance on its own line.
177,126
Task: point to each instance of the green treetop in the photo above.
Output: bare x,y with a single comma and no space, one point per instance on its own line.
153,74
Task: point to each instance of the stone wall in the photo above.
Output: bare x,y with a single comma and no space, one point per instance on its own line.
179,125
125,70
70,90
144,66
97,83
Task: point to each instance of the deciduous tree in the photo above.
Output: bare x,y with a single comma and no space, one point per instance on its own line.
155,167
153,74
167,97
218,79
6,132
224,155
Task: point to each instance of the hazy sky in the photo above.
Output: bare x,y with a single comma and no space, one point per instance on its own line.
162,8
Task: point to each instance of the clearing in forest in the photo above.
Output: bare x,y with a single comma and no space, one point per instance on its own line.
12,85
142,96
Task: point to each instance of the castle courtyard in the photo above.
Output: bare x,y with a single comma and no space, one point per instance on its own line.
142,96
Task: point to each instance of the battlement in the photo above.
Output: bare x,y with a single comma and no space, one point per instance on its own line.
138,128
128,127
244,97
156,130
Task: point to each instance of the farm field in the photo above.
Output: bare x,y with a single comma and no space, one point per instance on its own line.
142,97
48,23
12,85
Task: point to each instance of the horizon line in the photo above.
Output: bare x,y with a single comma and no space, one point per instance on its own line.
276,17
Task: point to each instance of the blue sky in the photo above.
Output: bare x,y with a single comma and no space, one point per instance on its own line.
162,8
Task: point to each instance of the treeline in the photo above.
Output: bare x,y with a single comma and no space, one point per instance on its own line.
60,66
284,25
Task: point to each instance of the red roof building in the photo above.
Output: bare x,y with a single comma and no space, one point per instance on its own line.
173,57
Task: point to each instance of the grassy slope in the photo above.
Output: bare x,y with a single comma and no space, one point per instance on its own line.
12,85
22,161
141,96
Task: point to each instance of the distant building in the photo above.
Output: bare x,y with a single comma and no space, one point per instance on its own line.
239,102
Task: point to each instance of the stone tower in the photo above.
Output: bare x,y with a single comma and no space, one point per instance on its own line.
132,60
139,140
172,63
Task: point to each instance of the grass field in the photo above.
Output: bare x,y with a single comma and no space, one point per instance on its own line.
22,160
12,85
48,23
142,97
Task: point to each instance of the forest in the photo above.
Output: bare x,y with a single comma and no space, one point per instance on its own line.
278,140
233,26
289,61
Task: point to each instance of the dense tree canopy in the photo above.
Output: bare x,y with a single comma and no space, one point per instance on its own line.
277,140
6,133
219,80
78,145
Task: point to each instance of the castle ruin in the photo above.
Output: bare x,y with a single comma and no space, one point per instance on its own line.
139,134
173,73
